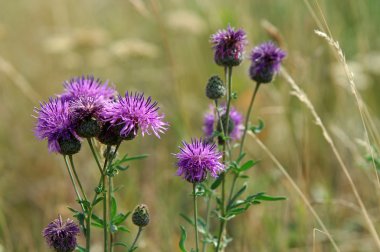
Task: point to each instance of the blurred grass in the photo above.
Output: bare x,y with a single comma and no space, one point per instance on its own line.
161,48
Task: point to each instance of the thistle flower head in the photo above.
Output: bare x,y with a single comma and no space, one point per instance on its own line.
87,87
197,158
134,112
140,216
265,62
61,236
54,123
210,122
228,45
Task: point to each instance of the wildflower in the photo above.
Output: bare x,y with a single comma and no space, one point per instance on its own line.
87,87
229,46
266,59
54,123
87,98
61,235
215,88
197,158
140,216
235,125
133,112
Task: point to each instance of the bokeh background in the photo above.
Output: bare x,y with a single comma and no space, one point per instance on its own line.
162,48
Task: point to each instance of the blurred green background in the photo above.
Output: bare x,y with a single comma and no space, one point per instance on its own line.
162,48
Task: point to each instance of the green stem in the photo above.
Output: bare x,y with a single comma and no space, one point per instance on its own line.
228,71
247,117
105,226
72,181
244,134
208,211
94,154
110,188
136,238
195,216
76,177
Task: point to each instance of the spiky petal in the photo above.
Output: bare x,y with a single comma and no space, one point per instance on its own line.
134,112
61,236
198,158
54,123
265,62
228,45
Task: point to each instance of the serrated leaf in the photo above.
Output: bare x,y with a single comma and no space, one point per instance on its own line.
183,239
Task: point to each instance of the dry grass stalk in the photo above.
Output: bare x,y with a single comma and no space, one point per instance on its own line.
296,91
296,188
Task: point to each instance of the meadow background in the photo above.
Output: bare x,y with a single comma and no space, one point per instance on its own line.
162,48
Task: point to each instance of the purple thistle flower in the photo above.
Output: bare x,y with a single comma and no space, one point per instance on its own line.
229,46
87,87
198,158
61,235
54,123
211,118
87,97
266,59
134,112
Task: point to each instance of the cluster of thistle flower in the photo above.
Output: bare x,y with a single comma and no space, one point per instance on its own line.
89,109
224,125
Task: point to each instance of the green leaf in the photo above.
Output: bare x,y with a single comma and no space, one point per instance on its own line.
113,207
183,239
269,198
258,128
97,219
96,225
217,182
73,210
187,218
240,158
123,228
247,165
80,249
120,218
122,168
123,244
240,192
97,201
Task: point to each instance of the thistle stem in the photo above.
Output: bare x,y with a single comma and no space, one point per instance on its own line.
77,177
94,154
208,211
105,226
247,116
195,217
135,241
73,182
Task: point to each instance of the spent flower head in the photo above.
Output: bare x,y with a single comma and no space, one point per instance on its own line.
61,236
211,122
134,112
228,45
198,158
54,123
265,62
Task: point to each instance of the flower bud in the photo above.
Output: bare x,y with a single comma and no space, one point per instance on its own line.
69,145
215,88
140,216
88,127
